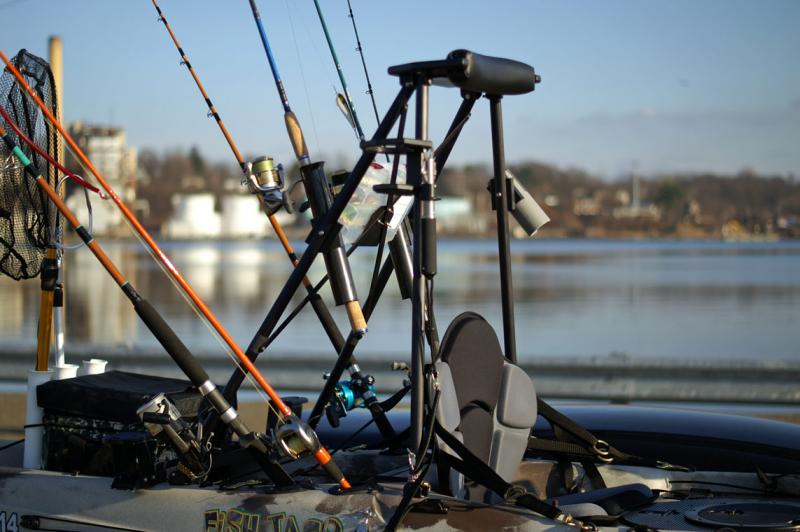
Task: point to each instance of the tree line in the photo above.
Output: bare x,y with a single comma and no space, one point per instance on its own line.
579,203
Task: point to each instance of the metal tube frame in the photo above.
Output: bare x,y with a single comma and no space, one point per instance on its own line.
327,228
502,200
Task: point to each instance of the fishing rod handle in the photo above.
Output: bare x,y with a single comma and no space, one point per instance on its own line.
358,322
318,192
189,365
296,137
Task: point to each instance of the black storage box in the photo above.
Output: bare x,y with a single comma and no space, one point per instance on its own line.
91,426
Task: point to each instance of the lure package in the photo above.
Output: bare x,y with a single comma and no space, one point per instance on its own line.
360,212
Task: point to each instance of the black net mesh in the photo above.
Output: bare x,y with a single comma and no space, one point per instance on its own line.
27,218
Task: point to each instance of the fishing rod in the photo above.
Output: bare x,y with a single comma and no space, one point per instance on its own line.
313,297
350,107
154,321
360,50
319,196
322,456
258,186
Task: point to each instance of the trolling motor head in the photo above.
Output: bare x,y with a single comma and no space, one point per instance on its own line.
267,180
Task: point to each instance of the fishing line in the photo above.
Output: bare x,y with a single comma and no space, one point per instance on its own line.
318,57
226,349
353,435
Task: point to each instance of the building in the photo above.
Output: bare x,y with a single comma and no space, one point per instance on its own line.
106,148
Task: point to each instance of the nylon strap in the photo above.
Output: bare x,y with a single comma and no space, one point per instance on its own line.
477,470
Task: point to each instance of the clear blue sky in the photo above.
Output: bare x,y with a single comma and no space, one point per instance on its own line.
677,85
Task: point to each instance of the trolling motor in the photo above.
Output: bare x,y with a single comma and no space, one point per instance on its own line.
163,420
267,180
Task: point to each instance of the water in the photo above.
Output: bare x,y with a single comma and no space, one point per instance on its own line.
646,299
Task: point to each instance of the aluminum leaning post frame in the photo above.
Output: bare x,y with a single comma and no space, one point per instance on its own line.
473,74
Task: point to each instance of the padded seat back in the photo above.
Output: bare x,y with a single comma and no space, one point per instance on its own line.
486,402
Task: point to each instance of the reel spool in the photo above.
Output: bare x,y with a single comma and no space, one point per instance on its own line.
267,180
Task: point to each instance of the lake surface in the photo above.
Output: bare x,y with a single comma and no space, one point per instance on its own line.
643,299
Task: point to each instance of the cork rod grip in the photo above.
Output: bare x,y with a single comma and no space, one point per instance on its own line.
357,321
296,136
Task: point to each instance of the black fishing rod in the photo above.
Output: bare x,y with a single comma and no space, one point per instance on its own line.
319,197
360,50
351,108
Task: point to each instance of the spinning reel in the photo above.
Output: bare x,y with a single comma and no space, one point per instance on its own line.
268,181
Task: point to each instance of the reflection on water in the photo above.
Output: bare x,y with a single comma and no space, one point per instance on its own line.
573,298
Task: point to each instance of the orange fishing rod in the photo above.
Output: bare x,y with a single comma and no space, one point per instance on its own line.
343,295
322,455
292,436
316,301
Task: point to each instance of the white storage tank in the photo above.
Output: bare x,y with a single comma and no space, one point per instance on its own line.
242,217
193,217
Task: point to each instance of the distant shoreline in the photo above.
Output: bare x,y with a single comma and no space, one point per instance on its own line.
599,235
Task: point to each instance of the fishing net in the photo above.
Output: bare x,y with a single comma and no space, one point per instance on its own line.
27,219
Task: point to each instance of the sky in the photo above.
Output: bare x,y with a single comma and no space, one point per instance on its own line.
669,86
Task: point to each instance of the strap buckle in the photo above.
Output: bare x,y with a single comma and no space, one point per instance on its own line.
513,493
603,451
568,520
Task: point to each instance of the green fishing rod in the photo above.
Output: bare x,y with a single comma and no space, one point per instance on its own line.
319,198
349,106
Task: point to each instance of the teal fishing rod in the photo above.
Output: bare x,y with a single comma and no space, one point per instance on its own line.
350,107
319,196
